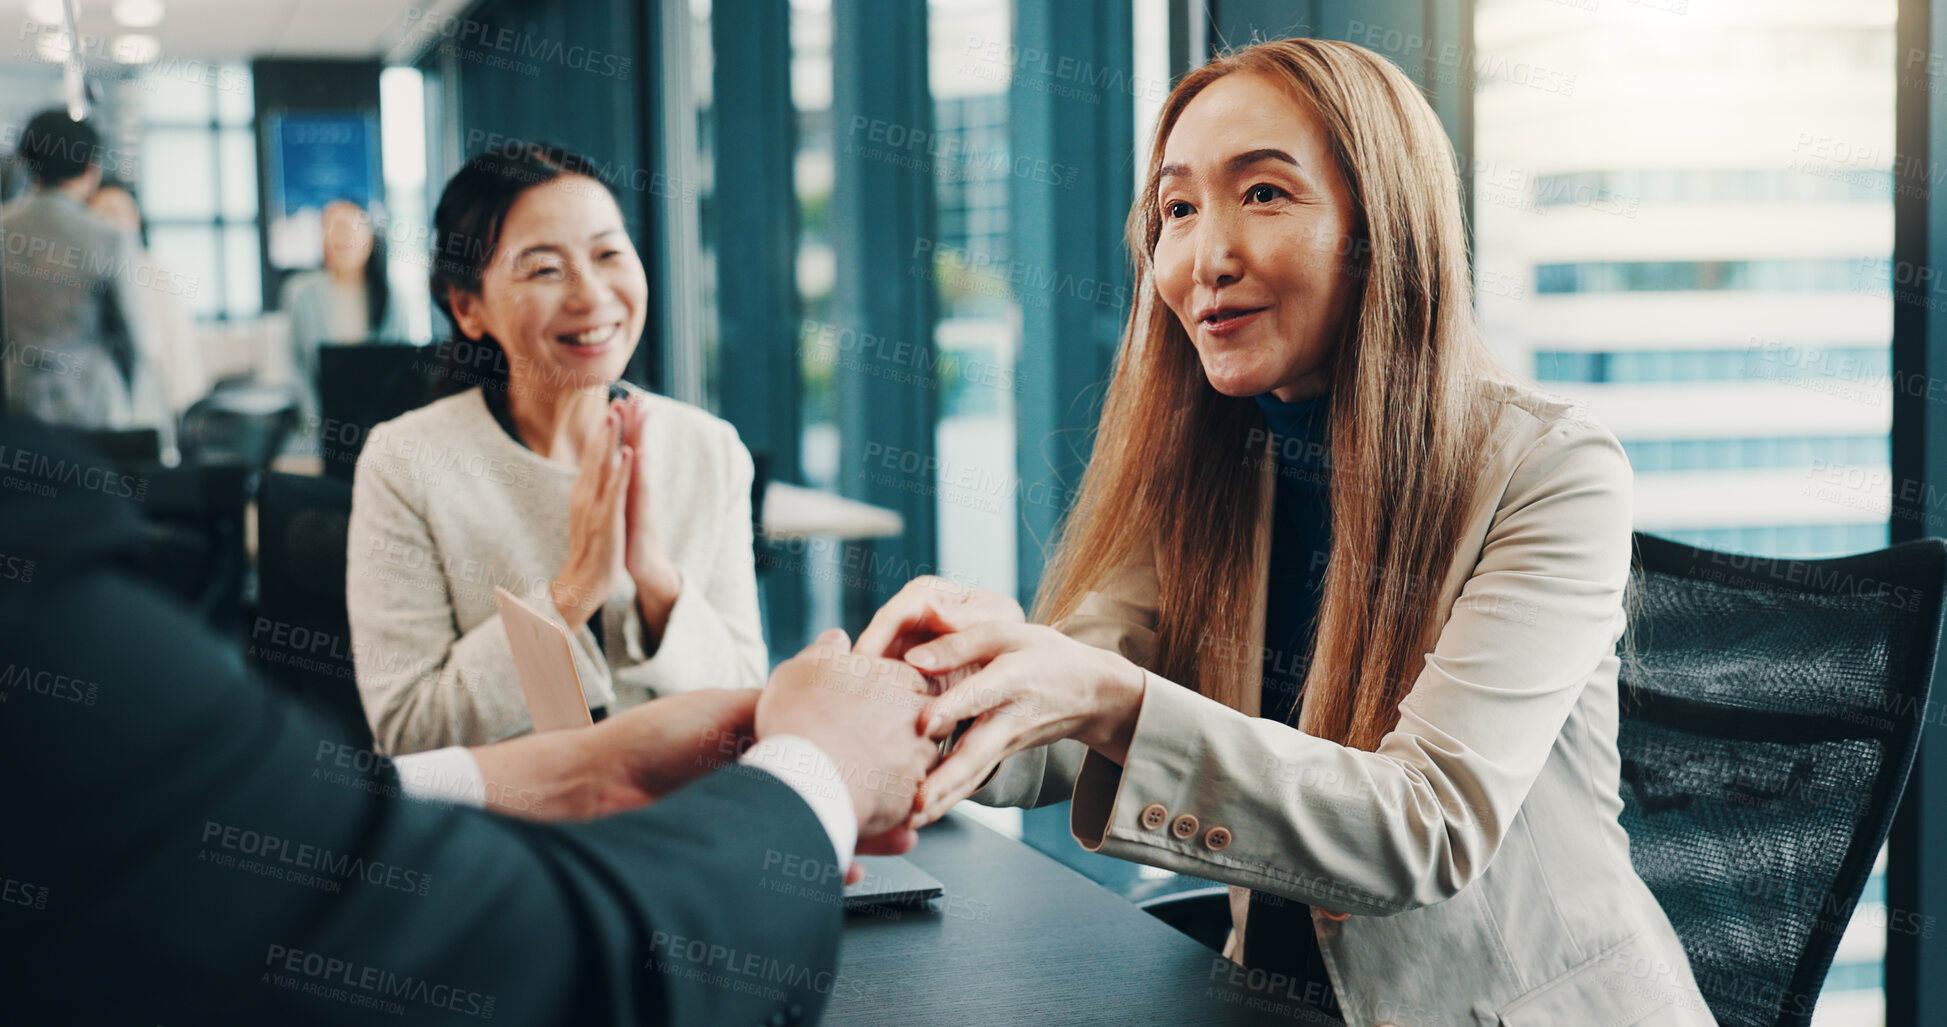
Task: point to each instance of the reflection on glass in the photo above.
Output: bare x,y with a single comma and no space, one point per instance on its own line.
183,99
238,148
191,251
402,127
814,170
179,174
197,175
235,99
702,83
979,318
1686,222
243,276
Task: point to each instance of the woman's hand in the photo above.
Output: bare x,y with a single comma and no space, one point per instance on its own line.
647,562
596,540
1037,686
929,607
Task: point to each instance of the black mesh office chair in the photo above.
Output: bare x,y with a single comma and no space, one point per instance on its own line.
360,386
193,523
301,636
1202,913
1769,720
244,425
123,446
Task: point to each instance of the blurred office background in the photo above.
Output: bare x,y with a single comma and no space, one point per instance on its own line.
1684,217
885,236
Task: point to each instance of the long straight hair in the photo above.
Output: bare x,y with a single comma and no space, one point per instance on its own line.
1177,466
378,285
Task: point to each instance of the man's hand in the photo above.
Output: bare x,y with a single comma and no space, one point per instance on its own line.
626,761
863,712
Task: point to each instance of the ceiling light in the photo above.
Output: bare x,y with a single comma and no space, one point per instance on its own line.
138,14
134,48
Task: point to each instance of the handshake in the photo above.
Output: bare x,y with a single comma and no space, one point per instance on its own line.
937,655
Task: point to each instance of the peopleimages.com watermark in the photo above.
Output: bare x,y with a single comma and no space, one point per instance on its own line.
513,49
23,893
47,684
362,984
279,858
43,474
741,970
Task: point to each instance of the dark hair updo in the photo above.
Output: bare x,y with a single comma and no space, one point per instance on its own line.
466,232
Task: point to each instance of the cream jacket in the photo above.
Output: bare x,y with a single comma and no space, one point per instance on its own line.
1478,849
446,507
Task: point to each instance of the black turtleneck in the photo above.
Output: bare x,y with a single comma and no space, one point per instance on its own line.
1279,936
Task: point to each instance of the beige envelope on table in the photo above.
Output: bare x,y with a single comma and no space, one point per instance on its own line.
545,659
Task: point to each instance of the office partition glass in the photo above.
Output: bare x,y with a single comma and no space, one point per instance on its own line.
814,170
1684,219
194,168
976,486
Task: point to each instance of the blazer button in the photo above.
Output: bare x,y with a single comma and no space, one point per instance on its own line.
1185,827
1217,839
1154,816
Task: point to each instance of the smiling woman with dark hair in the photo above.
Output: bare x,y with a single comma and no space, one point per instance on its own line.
625,514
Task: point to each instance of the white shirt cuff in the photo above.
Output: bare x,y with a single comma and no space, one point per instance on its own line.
813,775
449,775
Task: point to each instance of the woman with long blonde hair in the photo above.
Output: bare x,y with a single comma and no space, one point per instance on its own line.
1335,617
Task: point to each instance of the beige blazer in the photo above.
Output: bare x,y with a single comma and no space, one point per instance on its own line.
446,507
1477,849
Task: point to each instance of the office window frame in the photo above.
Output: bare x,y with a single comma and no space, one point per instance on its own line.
1068,343
221,222
1916,858
758,307
880,212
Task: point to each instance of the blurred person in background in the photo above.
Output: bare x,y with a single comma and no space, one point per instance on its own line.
346,302
173,348
77,350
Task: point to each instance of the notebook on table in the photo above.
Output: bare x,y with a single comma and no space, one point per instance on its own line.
891,881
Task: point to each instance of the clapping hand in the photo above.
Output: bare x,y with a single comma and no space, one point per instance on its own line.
644,557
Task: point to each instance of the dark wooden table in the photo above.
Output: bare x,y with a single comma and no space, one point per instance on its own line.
1019,939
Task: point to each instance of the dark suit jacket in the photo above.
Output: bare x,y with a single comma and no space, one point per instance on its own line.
182,845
